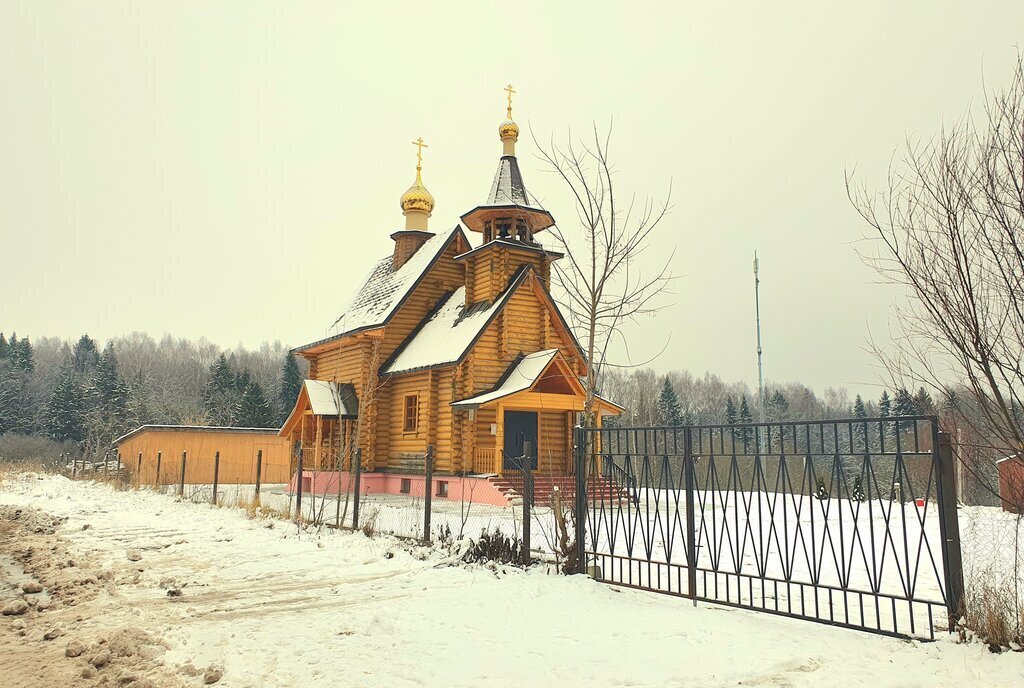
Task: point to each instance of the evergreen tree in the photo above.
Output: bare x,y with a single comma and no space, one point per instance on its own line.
778,406
884,405
221,393
923,404
859,430
85,356
252,410
668,405
4,347
730,411
291,385
20,354
64,412
821,492
8,400
106,399
859,410
888,430
858,490
745,416
242,381
746,434
903,403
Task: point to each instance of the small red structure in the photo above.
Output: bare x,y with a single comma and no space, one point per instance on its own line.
1011,482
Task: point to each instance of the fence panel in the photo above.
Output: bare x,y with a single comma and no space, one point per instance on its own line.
842,522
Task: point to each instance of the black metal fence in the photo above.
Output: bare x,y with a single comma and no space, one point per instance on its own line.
845,522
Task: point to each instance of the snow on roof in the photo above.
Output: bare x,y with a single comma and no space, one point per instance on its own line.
446,336
325,398
322,400
384,287
520,378
191,428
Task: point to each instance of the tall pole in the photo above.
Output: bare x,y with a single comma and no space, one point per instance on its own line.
757,311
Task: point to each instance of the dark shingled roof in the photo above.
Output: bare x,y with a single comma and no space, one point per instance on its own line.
508,187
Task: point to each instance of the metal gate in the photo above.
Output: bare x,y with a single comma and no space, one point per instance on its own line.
846,522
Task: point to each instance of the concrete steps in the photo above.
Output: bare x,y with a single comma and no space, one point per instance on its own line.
600,489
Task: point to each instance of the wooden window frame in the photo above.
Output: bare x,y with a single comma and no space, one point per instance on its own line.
407,427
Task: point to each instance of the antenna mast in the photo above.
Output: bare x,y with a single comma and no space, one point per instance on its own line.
757,311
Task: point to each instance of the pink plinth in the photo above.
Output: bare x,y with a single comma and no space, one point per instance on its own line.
468,489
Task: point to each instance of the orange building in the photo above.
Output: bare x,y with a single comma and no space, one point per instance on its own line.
451,343
153,454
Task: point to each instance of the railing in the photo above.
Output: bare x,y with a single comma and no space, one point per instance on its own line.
617,474
483,460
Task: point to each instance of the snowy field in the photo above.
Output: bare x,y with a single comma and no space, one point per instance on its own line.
281,607
858,562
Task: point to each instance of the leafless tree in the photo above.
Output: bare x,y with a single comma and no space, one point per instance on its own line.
603,284
950,228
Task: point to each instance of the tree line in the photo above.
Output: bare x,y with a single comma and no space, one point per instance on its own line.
84,396
680,398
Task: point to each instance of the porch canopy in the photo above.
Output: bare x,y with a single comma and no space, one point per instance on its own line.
323,399
541,380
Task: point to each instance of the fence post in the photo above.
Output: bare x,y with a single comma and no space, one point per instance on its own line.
216,475
74,466
106,464
527,499
355,488
138,471
259,471
691,517
949,528
298,489
181,480
580,467
428,494
156,478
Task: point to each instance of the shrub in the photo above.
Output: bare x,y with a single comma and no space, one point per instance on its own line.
495,546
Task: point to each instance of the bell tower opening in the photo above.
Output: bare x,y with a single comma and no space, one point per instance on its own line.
508,223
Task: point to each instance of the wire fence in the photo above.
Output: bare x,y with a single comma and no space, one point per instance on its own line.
529,516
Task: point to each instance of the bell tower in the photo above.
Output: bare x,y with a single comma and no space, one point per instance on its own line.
509,222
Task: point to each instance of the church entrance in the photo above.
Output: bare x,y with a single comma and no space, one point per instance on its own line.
520,427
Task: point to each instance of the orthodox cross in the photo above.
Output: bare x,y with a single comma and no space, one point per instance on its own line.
510,91
419,151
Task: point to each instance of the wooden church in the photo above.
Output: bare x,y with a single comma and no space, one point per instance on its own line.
454,341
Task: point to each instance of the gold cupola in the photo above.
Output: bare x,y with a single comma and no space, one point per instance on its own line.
508,130
417,203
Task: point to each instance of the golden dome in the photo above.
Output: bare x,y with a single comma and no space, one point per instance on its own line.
508,129
417,197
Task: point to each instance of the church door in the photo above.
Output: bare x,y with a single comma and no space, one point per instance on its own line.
520,427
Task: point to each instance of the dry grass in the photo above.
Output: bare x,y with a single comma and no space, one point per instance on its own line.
369,521
995,615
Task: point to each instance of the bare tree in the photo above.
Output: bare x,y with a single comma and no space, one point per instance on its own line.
602,282
950,228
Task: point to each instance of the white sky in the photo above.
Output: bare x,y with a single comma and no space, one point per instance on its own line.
231,169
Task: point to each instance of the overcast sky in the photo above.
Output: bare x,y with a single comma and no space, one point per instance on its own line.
229,170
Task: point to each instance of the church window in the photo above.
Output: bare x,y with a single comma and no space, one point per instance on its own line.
410,413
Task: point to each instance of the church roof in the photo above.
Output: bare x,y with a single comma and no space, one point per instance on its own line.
447,334
385,289
520,376
508,192
508,187
331,399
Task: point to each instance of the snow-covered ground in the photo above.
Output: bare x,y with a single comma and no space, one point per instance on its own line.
282,607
